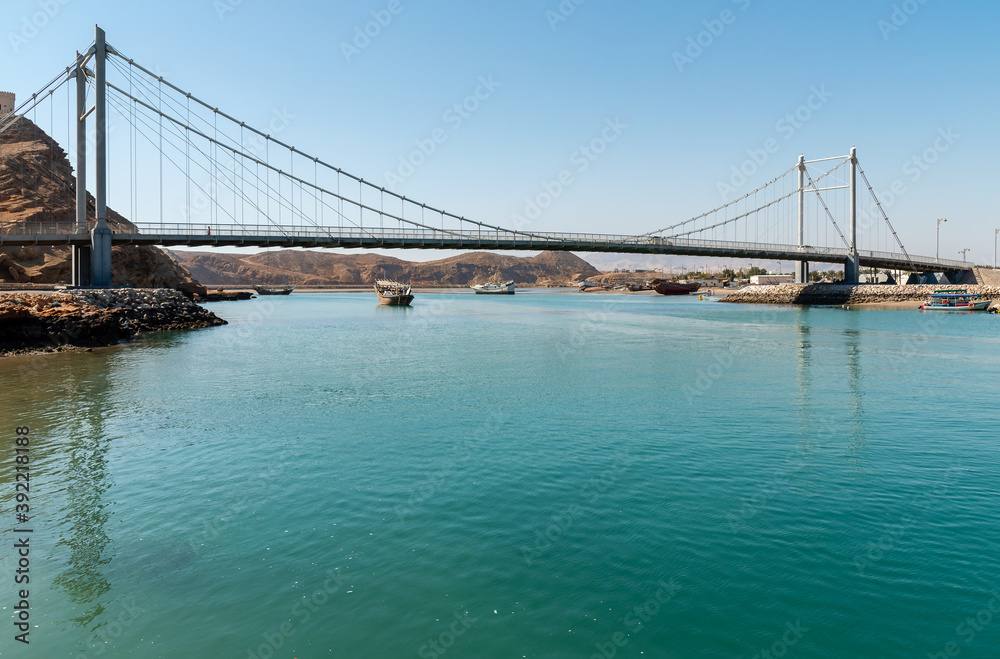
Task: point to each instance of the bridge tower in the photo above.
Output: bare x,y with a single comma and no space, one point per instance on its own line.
852,266
81,259
802,267
91,264
100,237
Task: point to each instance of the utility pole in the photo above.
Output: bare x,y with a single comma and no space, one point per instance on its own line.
937,253
963,252
995,232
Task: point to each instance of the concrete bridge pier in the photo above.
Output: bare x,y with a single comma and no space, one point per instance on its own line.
80,262
100,249
801,272
852,269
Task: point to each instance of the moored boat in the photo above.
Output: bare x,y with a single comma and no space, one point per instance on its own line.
955,300
494,288
393,293
675,288
282,290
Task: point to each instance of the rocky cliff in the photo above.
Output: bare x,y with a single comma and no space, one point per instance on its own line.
37,185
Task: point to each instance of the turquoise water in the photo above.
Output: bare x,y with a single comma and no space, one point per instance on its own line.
543,475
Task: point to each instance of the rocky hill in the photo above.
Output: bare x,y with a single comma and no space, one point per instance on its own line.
37,185
304,267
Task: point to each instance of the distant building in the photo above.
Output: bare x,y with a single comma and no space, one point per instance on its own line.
768,280
6,103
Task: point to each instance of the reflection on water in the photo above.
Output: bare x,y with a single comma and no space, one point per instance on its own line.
855,389
83,470
86,515
804,390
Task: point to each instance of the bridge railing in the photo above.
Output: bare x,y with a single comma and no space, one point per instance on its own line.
277,234
30,228
474,235
39,228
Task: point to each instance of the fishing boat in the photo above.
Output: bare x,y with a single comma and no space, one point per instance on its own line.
955,300
280,290
494,288
393,293
675,288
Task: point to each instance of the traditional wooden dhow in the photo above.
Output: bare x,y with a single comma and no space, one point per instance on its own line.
393,293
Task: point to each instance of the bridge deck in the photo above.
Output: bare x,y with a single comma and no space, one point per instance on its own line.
380,238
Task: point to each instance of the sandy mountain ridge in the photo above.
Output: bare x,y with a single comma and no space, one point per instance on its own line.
305,267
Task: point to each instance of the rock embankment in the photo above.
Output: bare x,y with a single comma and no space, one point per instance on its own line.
839,294
92,318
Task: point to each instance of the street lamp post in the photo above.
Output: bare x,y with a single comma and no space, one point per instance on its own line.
937,253
963,252
995,232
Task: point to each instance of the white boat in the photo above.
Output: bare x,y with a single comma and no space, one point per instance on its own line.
493,288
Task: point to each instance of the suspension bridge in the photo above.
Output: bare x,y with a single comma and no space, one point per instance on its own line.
243,187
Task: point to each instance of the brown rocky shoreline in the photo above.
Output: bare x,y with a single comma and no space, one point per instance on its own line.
93,318
841,294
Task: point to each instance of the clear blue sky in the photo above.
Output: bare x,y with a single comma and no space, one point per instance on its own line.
888,91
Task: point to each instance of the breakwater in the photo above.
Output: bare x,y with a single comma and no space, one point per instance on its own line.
92,318
839,294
